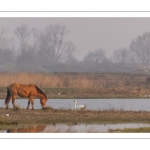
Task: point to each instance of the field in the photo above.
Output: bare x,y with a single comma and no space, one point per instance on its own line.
76,85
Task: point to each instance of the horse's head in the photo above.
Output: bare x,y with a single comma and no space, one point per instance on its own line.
43,102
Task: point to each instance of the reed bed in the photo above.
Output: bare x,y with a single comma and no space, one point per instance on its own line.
90,84
73,80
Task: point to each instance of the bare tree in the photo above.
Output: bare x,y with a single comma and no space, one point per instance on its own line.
97,56
28,41
35,36
121,56
3,40
141,47
53,44
22,32
6,48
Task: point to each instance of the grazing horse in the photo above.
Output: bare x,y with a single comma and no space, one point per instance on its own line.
29,90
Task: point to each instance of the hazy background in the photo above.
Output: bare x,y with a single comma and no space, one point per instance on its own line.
89,34
95,43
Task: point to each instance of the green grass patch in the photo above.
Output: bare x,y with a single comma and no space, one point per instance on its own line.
132,130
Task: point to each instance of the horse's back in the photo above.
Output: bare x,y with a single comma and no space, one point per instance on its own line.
23,90
13,86
21,85
16,86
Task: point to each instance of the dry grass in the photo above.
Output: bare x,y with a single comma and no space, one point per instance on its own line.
132,130
82,85
74,80
17,108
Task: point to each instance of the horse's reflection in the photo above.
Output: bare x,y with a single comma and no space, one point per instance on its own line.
27,129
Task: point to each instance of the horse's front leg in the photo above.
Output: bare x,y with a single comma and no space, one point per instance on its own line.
31,100
28,104
13,101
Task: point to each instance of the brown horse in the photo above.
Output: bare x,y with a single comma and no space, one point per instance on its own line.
30,90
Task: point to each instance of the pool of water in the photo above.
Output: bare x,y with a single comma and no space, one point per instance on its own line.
79,128
91,104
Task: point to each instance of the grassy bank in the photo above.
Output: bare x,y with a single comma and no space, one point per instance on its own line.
23,117
132,130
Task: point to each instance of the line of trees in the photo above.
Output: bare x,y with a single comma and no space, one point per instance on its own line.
50,51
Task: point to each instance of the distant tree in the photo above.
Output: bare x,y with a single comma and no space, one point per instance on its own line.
97,56
23,34
28,43
141,47
3,39
35,38
6,48
121,56
53,46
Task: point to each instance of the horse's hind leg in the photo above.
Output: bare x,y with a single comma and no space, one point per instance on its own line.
8,102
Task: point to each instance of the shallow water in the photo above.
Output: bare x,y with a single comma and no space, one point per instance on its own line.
79,128
91,104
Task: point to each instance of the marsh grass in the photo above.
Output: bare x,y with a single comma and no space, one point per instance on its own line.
132,130
81,85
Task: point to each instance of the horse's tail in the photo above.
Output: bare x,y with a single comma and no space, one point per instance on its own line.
8,95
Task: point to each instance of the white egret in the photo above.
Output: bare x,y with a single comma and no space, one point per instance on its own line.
79,106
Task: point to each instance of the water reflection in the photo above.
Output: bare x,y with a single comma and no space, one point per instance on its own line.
33,129
79,128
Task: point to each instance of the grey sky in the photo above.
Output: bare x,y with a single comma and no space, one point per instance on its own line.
89,34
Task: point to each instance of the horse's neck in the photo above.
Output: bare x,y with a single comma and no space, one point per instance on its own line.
40,95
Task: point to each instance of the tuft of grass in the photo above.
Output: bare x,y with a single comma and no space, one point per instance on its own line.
8,123
47,108
132,130
17,108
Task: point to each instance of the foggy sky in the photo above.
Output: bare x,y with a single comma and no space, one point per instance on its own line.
89,34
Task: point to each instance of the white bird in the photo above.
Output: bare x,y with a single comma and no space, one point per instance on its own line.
7,115
79,106
146,70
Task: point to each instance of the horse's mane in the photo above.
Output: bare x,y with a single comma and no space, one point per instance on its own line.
40,91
